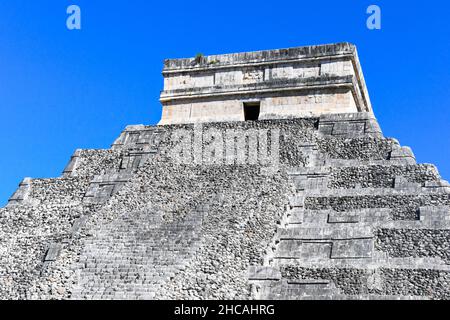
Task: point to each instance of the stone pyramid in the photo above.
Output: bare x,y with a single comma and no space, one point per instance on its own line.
333,211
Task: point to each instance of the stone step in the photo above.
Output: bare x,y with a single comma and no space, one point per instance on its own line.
434,217
349,125
297,289
102,187
329,232
399,177
138,137
20,196
404,206
413,190
363,151
92,162
379,297
145,258
312,250
377,260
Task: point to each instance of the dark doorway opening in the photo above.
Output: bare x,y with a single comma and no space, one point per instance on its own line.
251,111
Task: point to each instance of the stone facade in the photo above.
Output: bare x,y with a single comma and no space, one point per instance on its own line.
346,214
285,83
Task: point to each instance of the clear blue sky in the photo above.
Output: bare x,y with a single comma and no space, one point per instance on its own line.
61,90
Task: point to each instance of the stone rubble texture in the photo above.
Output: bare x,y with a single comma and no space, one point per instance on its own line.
349,214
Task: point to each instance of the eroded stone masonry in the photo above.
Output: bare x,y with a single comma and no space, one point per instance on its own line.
346,214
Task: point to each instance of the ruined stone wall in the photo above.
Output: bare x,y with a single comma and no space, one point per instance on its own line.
348,214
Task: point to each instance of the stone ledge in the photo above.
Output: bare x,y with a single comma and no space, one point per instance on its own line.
321,82
265,56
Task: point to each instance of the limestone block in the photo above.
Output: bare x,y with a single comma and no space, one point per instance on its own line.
402,183
316,289
373,128
104,186
297,249
306,71
340,129
131,161
336,68
139,138
304,104
352,249
179,81
403,154
252,75
310,233
21,194
78,224
350,124
53,252
434,214
303,182
280,72
228,77
296,215
318,217
263,273
204,80
70,169
353,232
297,201
437,186
343,217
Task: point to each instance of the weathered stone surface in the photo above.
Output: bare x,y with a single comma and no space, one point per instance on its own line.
344,213
285,83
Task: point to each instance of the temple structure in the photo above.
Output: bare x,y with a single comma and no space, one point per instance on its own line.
273,84
343,212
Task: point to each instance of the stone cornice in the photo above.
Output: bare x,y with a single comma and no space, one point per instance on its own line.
302,55
316,83
255,87
221,61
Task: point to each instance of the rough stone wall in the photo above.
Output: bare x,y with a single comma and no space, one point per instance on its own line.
380,176
244,207
349,214
34,230
414,243
366,222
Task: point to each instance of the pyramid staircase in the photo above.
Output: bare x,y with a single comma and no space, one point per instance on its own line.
364,221
58,208
355,221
